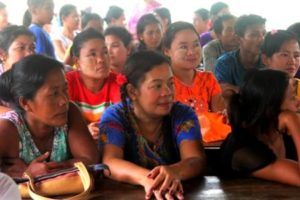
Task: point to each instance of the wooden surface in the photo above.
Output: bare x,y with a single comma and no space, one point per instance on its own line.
209,187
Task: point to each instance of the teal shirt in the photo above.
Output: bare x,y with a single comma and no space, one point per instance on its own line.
28,150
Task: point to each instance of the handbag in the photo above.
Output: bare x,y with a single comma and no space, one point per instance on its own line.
76,181
213,126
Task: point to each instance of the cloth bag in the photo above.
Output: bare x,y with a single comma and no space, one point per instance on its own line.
77,181
213,126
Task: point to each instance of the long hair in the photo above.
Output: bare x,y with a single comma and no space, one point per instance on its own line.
255,109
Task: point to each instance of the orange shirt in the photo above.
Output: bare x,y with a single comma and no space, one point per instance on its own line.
200,93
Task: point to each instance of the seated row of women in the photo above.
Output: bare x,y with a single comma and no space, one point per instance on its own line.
146,139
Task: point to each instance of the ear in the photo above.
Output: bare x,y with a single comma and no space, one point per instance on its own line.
264,59
131,91
3,55
24,103
129,49
166,52
76,62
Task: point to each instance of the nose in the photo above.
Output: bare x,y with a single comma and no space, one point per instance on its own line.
64,99
167,90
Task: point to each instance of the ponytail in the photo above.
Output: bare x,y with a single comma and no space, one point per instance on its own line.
6,82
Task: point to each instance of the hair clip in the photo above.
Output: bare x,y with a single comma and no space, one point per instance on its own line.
274,31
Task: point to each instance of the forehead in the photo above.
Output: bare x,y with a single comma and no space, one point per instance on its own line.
185,35
159,72
54,79
255,28
290,44
94,43
152,26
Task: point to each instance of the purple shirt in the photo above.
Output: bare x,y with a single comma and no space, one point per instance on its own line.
205,38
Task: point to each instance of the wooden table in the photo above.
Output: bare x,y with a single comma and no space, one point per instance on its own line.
209,187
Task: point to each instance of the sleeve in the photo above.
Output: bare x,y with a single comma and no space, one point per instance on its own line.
71,85
187,126
40,41
215,86
111,127
222,71
209,58
252,157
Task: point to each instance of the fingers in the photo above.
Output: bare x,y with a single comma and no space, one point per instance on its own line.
154,172
54,165
158,195
42,157
158,181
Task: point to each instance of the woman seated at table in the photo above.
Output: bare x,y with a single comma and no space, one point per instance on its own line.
260,115
44,132
148,139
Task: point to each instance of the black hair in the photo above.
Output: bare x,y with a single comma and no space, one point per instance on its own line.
83,37
203,13
120,32
114,12
26,18
2,5
35,3
274,40
87,17
10,33
295,28
255,109
164,13
173,29
25,78
217,7
65,11
218,23
245,21
141,25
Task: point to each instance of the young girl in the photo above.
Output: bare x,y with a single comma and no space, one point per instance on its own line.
280,51
92,86
16,42
69,18
42,132
41,12
200,90
149,32
156,142
119,44
260,115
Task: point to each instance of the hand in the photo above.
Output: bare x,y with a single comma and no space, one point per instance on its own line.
39,166
94,129
14,167
165,183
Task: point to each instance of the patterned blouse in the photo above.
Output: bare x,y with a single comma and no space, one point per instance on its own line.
181,124
28,150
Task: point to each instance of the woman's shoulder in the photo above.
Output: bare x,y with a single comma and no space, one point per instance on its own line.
113,112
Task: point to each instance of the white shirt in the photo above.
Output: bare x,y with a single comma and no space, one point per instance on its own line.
8,188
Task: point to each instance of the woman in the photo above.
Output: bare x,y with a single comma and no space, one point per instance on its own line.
69,18
43,131
119,45
260,115
156,142
280,51
149,32
16,42
197,89
92,86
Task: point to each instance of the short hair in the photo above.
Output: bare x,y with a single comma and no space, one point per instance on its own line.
66,11
218,23
114,12
82,38
173,29
87,17
245,21
295,28
25,78
164,13
274,40
2,5
10,33
217,7
120,32
203,13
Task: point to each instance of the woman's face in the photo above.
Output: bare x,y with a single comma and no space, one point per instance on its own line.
93,61
51,102
95,24
117,52
290,101
185,50
287,59
152,35
72,20
155,95
22,46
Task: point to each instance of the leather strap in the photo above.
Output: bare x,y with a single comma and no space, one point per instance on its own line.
85,178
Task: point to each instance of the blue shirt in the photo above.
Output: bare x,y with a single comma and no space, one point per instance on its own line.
181,124
230,70
43,41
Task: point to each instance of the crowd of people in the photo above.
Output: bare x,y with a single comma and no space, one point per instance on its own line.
135,96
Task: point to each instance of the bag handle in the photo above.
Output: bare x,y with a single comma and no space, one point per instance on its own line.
85,179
